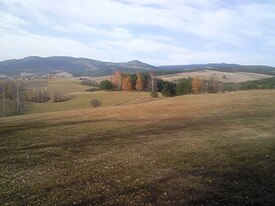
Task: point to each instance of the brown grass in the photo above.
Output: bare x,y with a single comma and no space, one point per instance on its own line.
65,86
214,149
235,77
81,100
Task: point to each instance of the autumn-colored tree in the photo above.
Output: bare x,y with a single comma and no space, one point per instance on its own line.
126,85
196,84
117,80
139,83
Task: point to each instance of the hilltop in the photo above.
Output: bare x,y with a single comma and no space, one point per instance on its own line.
75,66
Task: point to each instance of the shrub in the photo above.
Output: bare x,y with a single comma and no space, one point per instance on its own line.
154,94
95,103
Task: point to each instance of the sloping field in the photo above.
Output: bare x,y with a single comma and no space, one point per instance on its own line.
81,100
65,86
99,79
214,149
235,77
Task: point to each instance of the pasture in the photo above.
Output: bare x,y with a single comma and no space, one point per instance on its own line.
206,74
211,149
80,99
65,86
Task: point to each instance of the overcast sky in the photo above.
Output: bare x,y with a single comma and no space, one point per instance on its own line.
159,32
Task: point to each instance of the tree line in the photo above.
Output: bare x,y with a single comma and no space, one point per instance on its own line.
267,83
16,97
183,86
127,82
147,82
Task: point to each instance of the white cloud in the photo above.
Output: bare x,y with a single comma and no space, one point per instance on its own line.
20,46
107,29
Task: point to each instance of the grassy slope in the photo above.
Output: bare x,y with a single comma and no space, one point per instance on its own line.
81,100
196,149
235,77
65,86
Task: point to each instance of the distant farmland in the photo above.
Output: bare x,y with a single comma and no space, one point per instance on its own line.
235,77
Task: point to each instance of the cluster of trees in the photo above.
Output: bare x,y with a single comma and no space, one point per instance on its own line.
13,100
38,95
166,88
34,91
197,85
128,82
147,82
268,83
106,85
16,96
206,86
187,86
169,89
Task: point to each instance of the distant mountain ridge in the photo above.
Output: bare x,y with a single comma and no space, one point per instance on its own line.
75,66
91,67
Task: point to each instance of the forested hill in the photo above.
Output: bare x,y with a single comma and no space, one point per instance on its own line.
85,66
75,66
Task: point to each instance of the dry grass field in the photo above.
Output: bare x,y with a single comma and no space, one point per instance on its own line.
235,77
81,100
65,86
212,149
101,78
